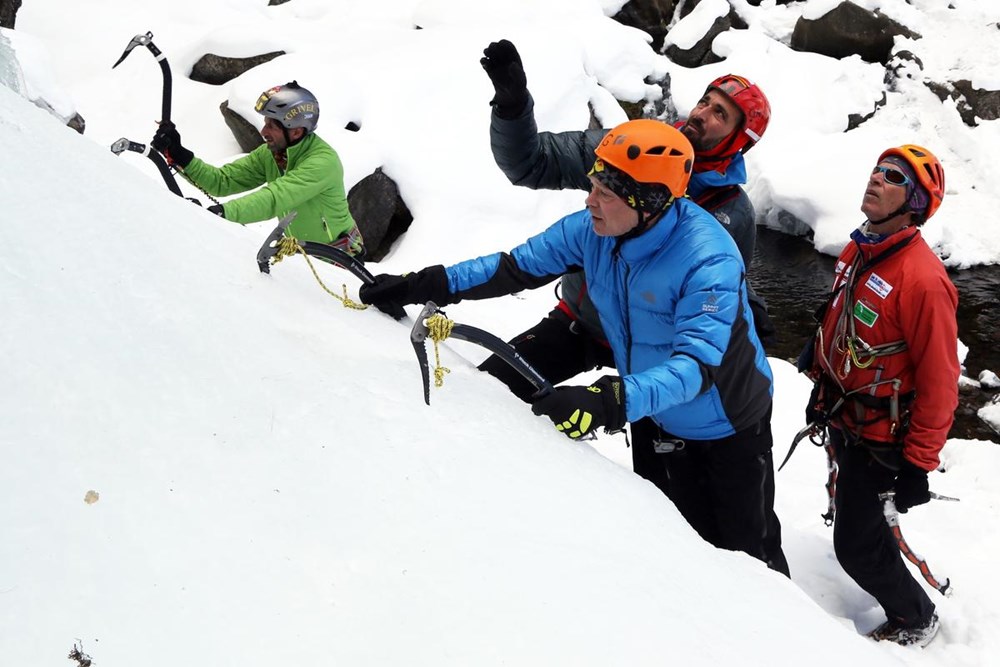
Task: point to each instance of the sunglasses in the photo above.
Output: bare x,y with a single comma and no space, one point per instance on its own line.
892,176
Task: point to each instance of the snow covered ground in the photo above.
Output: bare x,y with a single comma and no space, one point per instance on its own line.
270,487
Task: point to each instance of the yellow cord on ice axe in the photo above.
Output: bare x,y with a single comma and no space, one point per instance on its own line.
288,246
439,327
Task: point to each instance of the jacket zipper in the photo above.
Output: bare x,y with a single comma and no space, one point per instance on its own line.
616,258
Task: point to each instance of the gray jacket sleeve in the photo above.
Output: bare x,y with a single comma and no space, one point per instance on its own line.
738,217
542,160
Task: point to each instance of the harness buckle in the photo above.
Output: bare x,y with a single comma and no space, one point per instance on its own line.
668,446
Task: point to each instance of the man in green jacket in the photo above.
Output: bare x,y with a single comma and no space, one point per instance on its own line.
299,171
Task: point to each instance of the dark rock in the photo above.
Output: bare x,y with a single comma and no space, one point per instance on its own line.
855,119
245,132
77,123
900,66
971,103
849,30
217,70
650,16
8,13
660,108
352,126
276,2
984,104
701,53
380,212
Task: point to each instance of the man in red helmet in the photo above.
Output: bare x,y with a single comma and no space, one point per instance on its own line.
729,119
885,362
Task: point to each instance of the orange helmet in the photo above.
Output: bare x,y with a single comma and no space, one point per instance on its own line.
928,170
645,162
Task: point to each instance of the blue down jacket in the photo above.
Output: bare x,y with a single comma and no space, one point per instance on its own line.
674,307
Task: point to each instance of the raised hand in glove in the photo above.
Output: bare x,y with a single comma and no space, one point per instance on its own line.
389,292
503,65
577,411
168,141
217,209
911,487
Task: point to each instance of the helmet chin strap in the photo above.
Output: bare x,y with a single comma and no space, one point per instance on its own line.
904,208
644,224
288,139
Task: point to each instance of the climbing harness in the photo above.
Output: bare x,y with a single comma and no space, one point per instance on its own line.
433,323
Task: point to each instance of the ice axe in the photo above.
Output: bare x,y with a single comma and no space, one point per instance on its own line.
892,519
421,331
124,144
147,41
271,248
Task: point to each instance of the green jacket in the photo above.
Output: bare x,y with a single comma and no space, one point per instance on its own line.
312,185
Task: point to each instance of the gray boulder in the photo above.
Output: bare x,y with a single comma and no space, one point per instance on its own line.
217,70
701,53
8,12
849,30
650,16
380,212
973,104
245,132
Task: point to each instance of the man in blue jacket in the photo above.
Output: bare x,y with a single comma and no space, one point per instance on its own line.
668,284
730,118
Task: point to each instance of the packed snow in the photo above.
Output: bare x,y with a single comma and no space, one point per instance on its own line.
208,465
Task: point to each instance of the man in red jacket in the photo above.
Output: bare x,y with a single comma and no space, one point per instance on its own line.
886,366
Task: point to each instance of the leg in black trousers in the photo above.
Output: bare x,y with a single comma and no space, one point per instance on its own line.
724,488
555,350
863,540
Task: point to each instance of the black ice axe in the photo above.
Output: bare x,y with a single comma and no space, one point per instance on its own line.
272,246
147,41
420,332
125,144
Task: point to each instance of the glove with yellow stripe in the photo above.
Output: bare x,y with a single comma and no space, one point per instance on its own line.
577,411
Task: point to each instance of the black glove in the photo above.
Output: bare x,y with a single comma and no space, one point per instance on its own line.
911,487
168,141
503,65
217,209
577,411
388,293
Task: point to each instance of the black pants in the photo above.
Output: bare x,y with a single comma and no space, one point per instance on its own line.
724,488
555,348
863,540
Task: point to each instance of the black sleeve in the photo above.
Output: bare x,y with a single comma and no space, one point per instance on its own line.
542,160
508,279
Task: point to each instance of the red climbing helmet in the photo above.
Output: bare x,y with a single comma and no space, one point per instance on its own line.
754,105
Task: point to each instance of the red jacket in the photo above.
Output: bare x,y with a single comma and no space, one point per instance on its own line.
905,296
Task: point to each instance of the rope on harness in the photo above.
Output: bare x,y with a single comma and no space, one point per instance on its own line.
288,246
439,328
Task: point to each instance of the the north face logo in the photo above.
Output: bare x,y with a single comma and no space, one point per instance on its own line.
711,304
